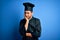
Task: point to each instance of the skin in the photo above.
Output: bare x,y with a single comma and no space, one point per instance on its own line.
27,16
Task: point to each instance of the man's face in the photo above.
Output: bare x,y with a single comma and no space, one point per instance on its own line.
28,14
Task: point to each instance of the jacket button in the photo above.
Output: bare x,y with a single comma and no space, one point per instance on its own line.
32,31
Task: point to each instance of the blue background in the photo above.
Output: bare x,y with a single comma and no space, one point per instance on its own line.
12,11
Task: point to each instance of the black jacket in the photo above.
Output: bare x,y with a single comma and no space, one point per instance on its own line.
34,27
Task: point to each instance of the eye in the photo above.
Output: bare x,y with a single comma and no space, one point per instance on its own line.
27,12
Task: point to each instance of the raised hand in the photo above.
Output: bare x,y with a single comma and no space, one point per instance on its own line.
26,24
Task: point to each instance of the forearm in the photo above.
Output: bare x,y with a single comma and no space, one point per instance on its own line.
26,25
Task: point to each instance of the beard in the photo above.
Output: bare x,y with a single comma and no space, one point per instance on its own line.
29,17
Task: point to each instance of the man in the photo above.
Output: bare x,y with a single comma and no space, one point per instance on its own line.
30,27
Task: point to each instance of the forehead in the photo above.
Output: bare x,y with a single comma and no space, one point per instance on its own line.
28,11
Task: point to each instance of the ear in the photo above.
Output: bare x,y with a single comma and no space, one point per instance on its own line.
32,12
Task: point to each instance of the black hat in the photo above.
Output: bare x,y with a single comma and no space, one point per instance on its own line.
28,6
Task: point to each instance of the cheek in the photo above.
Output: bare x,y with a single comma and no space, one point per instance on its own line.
30,14
26,15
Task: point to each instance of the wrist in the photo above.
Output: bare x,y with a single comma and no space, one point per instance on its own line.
27,21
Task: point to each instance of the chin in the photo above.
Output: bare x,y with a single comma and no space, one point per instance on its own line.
28,17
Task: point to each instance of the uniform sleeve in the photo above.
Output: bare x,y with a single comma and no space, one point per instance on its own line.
21,29
35,29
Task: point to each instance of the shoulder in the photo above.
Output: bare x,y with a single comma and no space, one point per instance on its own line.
22,20
36,19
